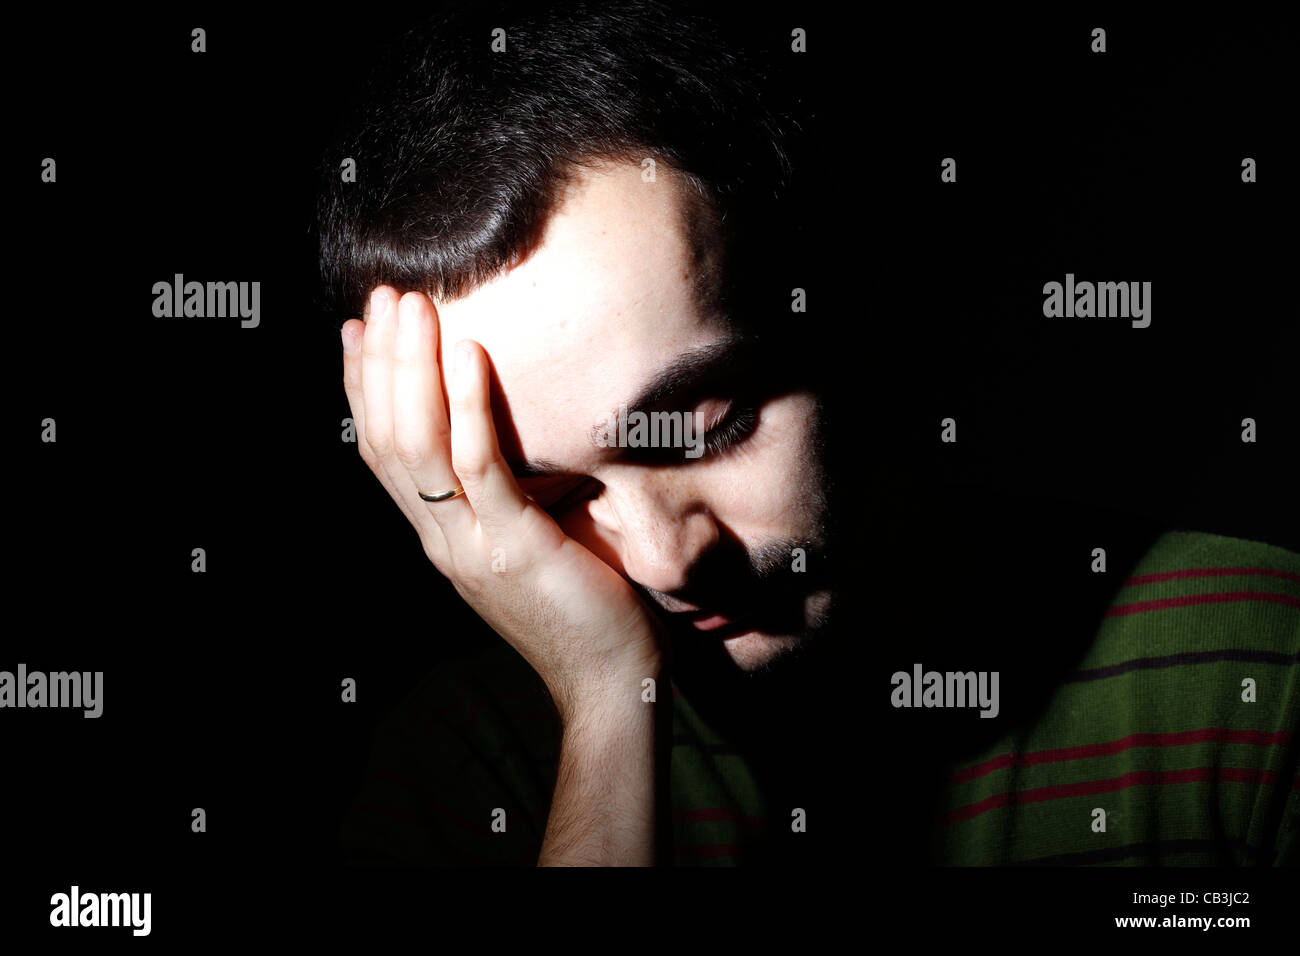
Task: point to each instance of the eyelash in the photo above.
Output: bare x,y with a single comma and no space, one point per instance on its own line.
738,425
732,430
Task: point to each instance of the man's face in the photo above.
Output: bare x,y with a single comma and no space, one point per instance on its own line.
616,304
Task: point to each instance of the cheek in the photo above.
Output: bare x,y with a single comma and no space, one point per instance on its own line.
772,482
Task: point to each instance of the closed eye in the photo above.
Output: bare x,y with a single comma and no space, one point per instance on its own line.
735,423
738,425
561,492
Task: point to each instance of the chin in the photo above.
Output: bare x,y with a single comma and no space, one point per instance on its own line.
756,651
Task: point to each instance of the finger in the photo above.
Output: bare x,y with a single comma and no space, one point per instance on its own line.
421,431
352,333
435,546
491,488
377,394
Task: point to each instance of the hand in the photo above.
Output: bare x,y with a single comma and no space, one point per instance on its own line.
573,618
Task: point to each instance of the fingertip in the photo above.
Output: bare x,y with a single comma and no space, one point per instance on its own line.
466,355
465,368
380,302
415,303
351,333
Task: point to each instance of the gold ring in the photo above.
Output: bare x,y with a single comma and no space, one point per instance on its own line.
445,496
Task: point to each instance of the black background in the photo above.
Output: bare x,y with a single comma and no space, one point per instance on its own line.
222,689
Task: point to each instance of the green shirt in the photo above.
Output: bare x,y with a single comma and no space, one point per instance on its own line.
1177,726
1152,726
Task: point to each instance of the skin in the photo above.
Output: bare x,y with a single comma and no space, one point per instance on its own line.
591,572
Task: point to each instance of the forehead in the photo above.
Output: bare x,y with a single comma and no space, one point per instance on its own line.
617,287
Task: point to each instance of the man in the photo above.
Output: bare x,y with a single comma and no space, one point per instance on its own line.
548,240
585,269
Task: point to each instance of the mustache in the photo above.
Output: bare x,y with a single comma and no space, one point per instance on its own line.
747,582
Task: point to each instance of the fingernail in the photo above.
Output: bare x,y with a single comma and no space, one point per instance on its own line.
378,303
463,356
349,342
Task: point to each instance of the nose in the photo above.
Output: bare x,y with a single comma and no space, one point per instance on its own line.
657,524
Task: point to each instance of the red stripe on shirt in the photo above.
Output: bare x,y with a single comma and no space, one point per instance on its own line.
1224,597
1209,573
1137,778
1180,738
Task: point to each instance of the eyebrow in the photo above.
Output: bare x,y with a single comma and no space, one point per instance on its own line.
688,369
538,468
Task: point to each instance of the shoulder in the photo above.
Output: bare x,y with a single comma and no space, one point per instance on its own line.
1211,597
1177,719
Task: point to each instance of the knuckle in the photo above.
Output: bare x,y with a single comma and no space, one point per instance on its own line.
472,467
406,362
440,435
470,587
409,453
463,405
382,448
440,438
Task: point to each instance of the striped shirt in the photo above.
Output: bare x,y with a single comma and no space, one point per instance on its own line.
1154,725
1171,742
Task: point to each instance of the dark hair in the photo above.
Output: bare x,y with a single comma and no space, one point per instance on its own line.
461,152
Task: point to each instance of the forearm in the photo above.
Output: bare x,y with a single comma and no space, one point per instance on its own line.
603,811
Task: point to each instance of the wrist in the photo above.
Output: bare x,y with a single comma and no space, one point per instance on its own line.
613,699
